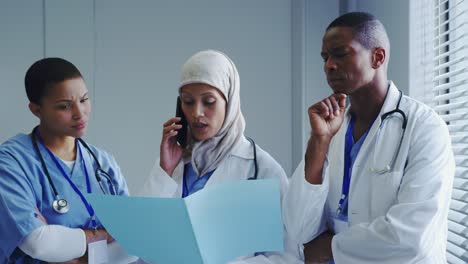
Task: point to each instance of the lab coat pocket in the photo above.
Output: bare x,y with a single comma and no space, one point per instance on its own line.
384,191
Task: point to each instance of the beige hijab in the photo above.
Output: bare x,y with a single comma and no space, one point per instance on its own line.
216,69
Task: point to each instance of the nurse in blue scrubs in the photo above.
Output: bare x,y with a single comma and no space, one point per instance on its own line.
44,175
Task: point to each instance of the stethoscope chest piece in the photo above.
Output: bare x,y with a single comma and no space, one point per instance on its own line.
61,206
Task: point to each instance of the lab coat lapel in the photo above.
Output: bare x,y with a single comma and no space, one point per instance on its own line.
390,103
178,174
220,174
336,164
228,170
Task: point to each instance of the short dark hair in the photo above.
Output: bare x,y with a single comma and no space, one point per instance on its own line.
45,73
367,29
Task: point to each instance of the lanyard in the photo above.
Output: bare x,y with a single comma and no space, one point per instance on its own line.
88,206
349,142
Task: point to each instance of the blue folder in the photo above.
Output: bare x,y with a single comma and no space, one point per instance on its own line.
212,226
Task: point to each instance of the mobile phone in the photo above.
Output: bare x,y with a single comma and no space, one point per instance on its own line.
181,136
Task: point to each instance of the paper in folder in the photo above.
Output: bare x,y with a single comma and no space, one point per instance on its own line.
212,226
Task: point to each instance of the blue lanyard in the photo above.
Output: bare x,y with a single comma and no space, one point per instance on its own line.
88,206
349,142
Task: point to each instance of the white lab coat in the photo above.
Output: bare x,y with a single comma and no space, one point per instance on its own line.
397,217
239,165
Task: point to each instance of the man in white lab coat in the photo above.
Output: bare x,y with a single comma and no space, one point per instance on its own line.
376,181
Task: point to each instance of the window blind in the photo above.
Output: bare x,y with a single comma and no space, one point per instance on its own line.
449,98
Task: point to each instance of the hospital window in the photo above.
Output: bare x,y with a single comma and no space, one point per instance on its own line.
440,53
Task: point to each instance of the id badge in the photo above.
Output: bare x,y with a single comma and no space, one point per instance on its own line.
97,252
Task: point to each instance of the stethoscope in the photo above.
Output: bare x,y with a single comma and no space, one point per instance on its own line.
389,167
254,147
342,204
61,205
254,177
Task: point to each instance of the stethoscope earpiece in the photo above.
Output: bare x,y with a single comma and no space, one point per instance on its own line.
61,206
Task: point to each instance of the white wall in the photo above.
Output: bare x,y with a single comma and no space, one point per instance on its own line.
130,53
310,19
22,42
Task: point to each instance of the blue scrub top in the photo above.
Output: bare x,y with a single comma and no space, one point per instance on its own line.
24,188
191,182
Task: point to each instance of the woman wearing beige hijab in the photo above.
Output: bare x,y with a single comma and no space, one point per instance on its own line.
216,149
